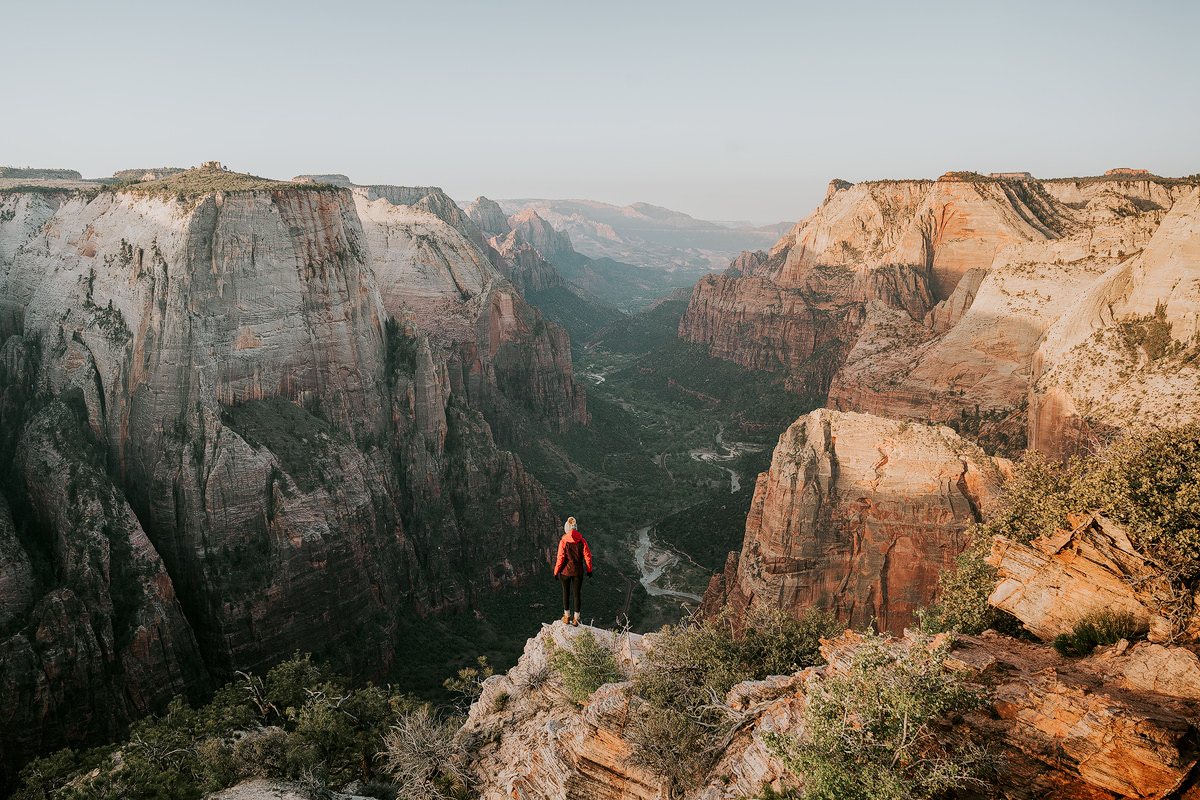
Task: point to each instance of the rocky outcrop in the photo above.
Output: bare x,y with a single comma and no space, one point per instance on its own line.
1075,727
857,515
294,393
546,746
1053,582
979,272
1060,727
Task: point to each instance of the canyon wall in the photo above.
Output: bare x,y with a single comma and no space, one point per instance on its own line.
857,516
289,398
929,300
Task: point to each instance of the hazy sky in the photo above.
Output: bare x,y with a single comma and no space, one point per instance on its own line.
723,110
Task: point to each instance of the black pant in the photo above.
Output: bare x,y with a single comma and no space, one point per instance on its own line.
567,581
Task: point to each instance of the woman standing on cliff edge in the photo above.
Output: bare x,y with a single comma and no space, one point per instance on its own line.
574,559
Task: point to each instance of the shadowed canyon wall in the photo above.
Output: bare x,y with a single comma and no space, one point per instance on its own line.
250,423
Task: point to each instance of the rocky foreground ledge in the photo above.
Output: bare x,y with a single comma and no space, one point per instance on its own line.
1119,723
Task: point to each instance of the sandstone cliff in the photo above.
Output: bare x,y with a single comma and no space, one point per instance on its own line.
929,299
503,357
1096,369
294,393
857,515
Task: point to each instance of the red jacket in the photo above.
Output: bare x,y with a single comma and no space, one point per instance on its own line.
574,555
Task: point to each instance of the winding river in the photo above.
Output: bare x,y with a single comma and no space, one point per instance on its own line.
732,451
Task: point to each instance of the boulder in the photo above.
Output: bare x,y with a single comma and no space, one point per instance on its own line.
1053,582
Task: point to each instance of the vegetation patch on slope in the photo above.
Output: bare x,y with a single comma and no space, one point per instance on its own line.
1148,482
196,182
644,332
580,317
297,438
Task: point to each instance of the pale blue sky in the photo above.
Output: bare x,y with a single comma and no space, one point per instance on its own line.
721,110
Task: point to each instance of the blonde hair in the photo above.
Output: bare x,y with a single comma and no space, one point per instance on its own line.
569,525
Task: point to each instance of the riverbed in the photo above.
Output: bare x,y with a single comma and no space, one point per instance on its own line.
651,563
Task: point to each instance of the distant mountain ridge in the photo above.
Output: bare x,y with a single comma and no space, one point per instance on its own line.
646,235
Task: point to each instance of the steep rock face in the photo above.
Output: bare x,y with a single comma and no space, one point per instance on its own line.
1089,376
536,278
309,475
488,215
857,516
983,270
523,265
554,245
754,322
167,315
502,355
16,571
904,243
21,215
107,643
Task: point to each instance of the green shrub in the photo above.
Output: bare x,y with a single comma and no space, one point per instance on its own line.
963,595
469,683
677,727
870,732
1147,481
1150,483
426,759
690,664
1096,630
585,665
299,721
1151,333
670,744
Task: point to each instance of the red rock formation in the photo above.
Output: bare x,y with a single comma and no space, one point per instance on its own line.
1086,380
857,516
1053,582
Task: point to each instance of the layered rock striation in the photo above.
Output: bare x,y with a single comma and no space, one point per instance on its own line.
292,394
938,300
857,516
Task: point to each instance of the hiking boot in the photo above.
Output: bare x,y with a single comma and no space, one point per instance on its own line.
575,621
566,617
